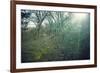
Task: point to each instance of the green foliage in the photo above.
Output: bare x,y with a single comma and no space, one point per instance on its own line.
55,36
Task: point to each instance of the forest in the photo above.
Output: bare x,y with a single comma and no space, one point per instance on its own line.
54,36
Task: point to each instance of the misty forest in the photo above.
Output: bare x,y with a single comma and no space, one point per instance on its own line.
54,36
